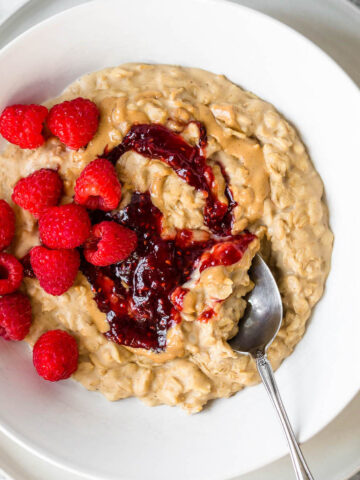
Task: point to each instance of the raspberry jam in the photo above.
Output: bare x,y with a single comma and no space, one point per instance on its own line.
206,315
226,253
157,141
142,296
136,293
28,271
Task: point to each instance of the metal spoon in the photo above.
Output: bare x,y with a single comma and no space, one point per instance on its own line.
257,330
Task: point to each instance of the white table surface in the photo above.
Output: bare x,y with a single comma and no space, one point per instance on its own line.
334,453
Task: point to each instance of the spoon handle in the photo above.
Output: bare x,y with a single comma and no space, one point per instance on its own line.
267,376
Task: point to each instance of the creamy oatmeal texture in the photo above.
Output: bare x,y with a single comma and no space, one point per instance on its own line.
278,195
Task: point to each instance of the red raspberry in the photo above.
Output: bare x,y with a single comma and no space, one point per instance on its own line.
11,273
15,316
74,122
23,124
109,243
55,355
67,226
38,191
7,224
98,186
56,270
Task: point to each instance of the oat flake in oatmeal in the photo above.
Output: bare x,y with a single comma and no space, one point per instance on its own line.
276,194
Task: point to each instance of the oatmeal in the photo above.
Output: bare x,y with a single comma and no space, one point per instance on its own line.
198,158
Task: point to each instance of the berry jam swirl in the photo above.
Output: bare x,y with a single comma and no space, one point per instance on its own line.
139,295
157,141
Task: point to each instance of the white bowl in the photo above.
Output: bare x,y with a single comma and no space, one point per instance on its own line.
80,430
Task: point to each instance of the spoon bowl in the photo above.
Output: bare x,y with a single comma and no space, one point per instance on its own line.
263,315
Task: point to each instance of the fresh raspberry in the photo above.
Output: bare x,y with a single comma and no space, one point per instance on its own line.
38,191
98,186
55,355
11,273
15,316
109,243
74,122
7,224
23,124
67,226
55,269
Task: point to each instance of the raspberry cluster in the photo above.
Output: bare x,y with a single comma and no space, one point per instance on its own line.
74,123
63,228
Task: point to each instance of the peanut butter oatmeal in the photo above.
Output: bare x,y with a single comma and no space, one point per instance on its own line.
260,171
